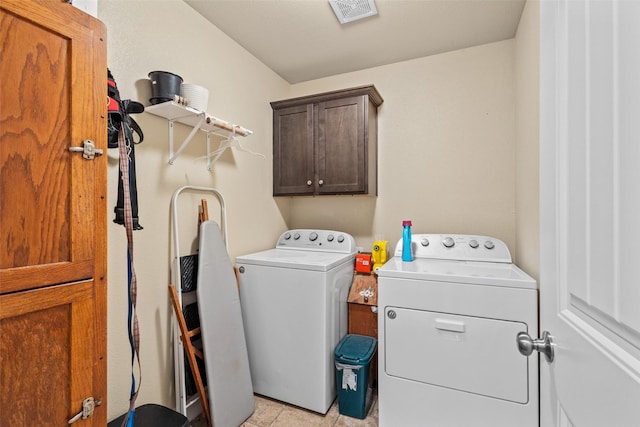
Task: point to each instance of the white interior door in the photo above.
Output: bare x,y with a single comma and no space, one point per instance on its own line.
590,211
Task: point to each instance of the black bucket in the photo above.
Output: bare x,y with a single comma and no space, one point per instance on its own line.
164,86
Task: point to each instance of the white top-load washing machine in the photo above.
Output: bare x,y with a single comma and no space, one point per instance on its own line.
447,336
294,310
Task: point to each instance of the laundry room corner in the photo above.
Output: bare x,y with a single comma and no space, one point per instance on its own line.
446,147
527,121
240,89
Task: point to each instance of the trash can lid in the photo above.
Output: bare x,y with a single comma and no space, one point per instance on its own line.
355,349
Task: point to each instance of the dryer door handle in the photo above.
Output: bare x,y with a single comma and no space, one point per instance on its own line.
450,325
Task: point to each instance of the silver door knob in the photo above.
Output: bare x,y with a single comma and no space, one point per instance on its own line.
527,345
309,182
321,182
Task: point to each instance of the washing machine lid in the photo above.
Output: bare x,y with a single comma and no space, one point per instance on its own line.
468,272
306,249
297,259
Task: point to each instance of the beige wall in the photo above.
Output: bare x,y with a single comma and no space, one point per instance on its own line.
527,65
446,149
447,156
169,35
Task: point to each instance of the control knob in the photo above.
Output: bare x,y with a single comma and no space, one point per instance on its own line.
448,242
296,236
313,236
489,244
473,243
330,238
340,238
424,242
287,236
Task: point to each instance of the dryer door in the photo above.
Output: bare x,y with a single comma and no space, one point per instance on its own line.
471,354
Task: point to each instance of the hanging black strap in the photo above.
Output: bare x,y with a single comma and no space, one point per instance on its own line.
123,127
133,192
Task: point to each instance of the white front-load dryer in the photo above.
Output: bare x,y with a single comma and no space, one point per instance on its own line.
294,309
447,336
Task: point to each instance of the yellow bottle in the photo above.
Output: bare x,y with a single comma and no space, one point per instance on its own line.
379,254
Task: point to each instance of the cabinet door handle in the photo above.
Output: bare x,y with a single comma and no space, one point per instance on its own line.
309,182
321,182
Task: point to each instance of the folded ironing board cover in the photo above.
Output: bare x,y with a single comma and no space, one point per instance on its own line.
227,364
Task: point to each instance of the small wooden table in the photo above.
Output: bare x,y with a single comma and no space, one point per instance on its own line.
363,313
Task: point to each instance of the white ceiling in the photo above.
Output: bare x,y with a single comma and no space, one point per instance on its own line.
302,39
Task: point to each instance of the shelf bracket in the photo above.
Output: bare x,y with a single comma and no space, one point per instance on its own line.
174,155
209,162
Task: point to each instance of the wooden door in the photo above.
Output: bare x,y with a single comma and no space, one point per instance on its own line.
590,212
52,214
293,162
340,146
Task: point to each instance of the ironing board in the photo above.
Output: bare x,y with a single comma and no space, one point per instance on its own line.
231,399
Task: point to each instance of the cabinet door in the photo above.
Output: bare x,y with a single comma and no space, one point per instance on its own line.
53,97
293,156
53,213
46,354
340,146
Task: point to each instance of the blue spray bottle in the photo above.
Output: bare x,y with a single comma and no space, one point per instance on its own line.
406,241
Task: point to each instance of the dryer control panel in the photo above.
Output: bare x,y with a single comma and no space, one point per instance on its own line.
459,247
317,240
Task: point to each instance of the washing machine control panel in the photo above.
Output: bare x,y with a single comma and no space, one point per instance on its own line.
317,240
460,247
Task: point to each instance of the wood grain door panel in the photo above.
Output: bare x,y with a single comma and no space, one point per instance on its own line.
38,327
46,192
340,146
52,214
293,154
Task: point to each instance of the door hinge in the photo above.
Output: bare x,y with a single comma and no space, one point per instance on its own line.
88,406
88,150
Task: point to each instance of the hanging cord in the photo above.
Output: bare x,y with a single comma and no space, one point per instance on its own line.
133,328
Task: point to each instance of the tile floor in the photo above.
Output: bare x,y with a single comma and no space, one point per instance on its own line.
272,413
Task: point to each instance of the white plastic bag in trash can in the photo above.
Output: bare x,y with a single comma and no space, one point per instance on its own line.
349,377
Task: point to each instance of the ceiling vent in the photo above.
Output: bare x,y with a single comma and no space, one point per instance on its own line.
352,10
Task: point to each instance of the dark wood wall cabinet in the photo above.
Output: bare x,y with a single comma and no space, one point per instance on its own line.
326,143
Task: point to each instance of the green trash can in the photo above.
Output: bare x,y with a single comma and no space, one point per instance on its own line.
353,360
